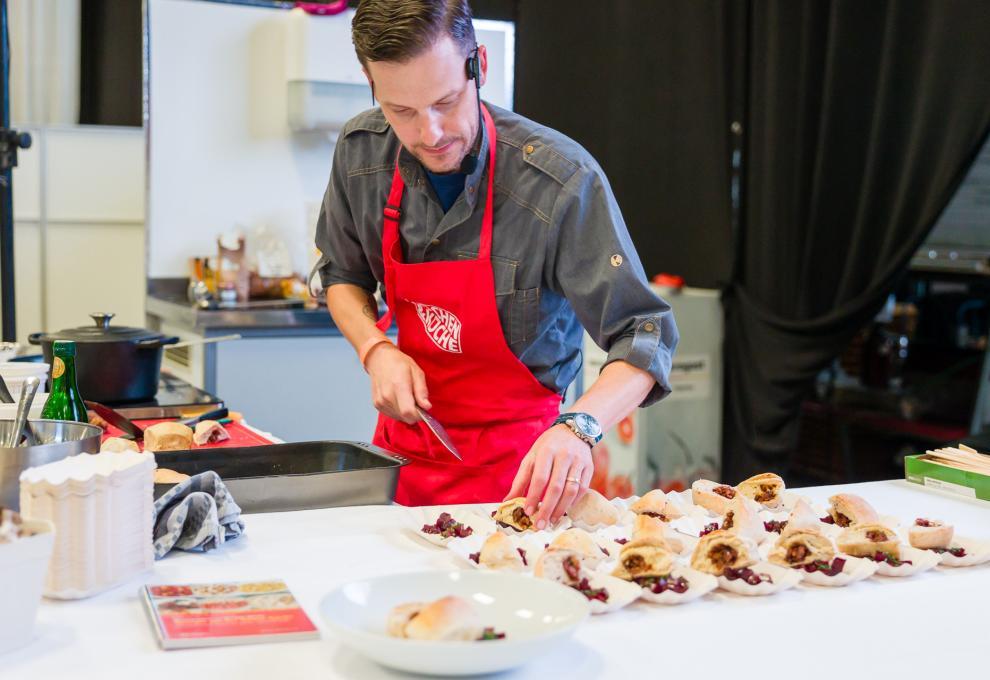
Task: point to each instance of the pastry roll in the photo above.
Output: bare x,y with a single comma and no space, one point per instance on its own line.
865,540
166,476
740,519
449,618
168,437
649,530
930,533
721,549
209,432
119,445
498,552
593,509
580,541
766,489
512,515
638,560
847,510
712,496
801,547
560,565
655,504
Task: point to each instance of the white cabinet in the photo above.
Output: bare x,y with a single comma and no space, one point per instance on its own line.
79,238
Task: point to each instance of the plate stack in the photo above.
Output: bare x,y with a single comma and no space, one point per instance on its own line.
14,374
101,506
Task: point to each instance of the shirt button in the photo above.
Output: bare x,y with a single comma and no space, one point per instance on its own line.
470,190
529,148
616,260
649,327
435,242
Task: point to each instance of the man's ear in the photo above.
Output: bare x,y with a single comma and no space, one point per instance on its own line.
483,59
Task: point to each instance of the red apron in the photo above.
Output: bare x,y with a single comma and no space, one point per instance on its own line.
491,405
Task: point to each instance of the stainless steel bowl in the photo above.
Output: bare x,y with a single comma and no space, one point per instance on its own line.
60,439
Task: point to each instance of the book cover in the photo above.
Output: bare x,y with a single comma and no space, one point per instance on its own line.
211,614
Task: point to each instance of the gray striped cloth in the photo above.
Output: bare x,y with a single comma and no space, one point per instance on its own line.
196,514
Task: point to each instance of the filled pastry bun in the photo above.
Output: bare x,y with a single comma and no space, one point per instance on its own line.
740,519
649,530
593,509
766,489
449,618
865,540
712,496
166,476
209,432
721,549
848,510
801,547
802,517
512,514
498,552
637,560
119,445
561,565
655,504
930,533
579,541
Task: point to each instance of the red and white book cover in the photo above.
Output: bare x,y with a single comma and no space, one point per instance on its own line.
210,614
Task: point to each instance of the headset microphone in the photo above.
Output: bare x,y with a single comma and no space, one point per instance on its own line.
470,161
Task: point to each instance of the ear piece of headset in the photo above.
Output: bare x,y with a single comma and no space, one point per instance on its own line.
474,67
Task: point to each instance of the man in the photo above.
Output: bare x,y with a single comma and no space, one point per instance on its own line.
488,275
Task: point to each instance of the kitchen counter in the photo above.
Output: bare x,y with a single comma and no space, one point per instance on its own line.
930,624
167,303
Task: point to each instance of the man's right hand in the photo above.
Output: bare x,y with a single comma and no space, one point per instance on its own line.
398,384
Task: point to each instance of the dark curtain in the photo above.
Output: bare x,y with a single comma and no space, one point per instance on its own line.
863,119
646,88
110,62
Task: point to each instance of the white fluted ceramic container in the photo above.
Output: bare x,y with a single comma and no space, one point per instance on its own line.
102,508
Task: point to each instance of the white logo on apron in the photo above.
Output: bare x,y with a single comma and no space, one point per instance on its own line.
443,327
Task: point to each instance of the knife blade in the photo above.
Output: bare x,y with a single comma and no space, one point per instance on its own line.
209,415
441,434
118,420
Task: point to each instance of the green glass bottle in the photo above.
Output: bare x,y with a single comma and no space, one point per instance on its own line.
64,401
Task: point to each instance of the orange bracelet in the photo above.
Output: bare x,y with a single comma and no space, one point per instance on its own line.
368,345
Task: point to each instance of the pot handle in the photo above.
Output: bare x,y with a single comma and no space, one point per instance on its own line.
155,343
35,338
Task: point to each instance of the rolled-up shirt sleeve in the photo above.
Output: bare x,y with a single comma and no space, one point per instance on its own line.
595,266
342,257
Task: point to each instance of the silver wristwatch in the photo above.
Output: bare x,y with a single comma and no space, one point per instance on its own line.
583,425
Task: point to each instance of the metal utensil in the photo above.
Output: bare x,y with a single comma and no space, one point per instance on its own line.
206,341
5,395
118,420
23,405
441,434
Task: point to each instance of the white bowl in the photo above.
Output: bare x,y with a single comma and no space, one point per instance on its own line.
23,565
9,411
23,369
534,614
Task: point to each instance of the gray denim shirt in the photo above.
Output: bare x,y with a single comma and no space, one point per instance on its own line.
561,253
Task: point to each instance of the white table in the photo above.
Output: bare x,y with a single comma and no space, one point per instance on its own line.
934,623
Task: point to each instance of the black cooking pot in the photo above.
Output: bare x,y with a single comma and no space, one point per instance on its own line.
113,363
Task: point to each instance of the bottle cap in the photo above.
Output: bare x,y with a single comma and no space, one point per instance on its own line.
64,348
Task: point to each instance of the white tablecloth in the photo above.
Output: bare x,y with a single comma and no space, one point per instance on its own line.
933,624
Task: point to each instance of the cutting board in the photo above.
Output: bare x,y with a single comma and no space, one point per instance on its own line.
239,434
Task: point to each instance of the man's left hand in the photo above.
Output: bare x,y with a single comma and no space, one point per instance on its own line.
556,457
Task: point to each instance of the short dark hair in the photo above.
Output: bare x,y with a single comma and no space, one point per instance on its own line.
398,30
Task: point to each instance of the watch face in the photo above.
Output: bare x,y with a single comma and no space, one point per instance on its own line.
587,425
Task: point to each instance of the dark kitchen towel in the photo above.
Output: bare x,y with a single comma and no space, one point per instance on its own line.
196,514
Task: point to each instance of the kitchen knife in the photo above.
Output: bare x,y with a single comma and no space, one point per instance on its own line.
437,429
216,414
118,420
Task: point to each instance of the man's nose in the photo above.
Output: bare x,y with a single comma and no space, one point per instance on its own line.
431,132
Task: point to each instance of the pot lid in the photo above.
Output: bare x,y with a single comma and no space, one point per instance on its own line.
102,331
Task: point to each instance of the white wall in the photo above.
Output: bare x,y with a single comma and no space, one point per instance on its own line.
79,227
221,151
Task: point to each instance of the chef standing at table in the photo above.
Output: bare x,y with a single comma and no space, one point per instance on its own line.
488,275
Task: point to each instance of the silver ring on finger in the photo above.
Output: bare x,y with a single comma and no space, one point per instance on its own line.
573,480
